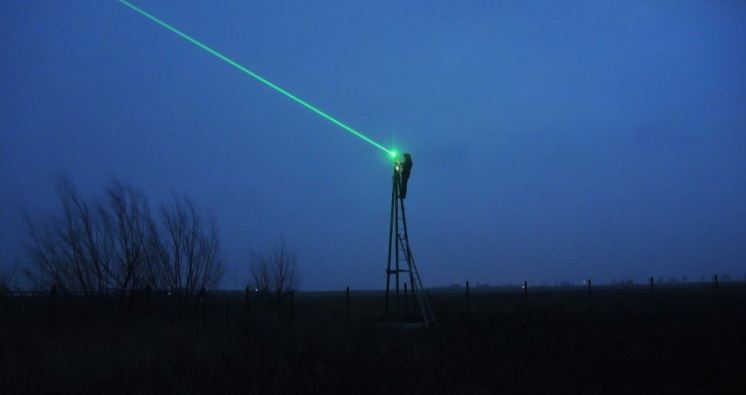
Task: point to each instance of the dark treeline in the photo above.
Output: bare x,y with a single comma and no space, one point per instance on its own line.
116,243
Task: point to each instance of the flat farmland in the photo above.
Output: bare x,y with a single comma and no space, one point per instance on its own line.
683,339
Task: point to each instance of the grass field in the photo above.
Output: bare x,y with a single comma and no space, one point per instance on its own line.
688,339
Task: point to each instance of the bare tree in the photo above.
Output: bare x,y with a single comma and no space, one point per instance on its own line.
114,243
71,251
276,270
259,270
127,219
187,250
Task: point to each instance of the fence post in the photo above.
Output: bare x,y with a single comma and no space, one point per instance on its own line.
414,299
652,285
247,301
347,301
525,292
247,308
227,315
590,301
292,303
468,307
202,308
148,298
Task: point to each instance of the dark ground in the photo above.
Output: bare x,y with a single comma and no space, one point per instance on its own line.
680,340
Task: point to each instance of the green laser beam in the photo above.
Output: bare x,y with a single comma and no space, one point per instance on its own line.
259,78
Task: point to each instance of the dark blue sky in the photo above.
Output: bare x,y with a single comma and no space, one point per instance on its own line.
551,141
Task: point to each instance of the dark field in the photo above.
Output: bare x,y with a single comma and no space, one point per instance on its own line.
678,340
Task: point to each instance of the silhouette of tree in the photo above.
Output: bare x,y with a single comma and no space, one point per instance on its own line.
259,270
276,270
187,249
127,219
73,250
114,243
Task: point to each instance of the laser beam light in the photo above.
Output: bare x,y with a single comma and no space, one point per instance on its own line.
391,153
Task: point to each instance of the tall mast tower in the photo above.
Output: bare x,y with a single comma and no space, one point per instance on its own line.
401,262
